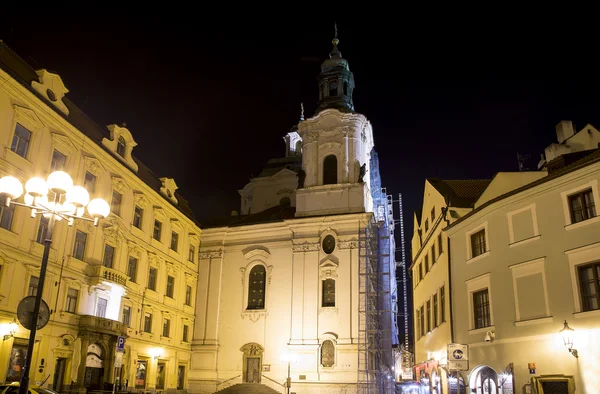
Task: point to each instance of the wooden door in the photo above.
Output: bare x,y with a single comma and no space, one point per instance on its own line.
253,370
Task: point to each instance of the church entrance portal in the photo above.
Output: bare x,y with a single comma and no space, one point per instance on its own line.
252,362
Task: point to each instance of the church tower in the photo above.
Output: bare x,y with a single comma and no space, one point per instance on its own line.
336,147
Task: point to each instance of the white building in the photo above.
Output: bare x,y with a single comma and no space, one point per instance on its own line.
287,279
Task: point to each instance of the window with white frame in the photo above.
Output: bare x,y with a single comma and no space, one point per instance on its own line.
132,269
79,245
157,230
109,256
101,307
71,304
115,204
188,295
152,274
328,296
148,322
21,141
478,243
137,217
127,315
589,286
174,240
479,294
256,287
184,336
166,332
59,161
170,286
89,182
192,253
579,204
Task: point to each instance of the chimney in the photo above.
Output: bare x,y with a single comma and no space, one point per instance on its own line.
564,130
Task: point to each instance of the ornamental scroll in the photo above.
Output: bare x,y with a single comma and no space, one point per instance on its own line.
211,254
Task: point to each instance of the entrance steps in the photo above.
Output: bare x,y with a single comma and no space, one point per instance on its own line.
248,388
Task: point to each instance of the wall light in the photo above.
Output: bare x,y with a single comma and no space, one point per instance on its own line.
10,330
567,336
156,352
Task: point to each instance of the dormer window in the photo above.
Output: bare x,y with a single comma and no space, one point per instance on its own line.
121,147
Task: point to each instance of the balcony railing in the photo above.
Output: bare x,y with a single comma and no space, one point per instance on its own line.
100,273
100,324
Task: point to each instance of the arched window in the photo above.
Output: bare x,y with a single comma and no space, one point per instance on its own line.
333,88
256,287
121,146
328,296
483,379
345,88
327,353
330,170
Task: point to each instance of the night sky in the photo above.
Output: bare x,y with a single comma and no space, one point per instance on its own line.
209,98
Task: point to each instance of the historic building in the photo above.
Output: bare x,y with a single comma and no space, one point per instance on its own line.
518,261
299,288
134,275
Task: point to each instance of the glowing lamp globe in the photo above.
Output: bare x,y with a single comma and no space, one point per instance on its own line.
78,196
60,182
98,208
40,202
37,187
567,335
11,186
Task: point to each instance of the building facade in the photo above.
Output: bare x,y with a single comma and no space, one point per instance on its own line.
524,264
299,288
135,275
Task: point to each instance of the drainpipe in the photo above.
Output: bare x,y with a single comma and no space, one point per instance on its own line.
450,320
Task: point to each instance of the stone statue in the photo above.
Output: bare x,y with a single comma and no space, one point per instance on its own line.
301,177
361,174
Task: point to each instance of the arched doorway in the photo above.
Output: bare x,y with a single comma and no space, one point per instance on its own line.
252,362
94,367
483,380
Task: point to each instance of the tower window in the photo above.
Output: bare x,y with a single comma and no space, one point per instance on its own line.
121,146
345,88
256,287
333,89
330,170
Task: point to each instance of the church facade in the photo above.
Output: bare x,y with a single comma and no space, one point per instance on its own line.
297,292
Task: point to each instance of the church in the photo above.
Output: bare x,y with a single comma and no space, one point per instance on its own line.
297,290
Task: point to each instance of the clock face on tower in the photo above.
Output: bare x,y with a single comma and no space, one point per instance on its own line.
328,244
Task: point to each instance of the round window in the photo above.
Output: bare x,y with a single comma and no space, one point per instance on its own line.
328,244
51,95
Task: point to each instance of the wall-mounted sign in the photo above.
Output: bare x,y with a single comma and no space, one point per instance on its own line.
266,367
458,365
458,352
531,367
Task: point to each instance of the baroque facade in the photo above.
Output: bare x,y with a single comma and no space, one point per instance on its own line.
135,275
286,284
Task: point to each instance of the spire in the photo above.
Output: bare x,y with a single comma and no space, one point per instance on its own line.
335,52
301,111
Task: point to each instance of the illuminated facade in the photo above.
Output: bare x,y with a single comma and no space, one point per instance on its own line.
134,275
524,261
286,280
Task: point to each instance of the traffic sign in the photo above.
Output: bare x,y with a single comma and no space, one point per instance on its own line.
118,360
458,352
121,344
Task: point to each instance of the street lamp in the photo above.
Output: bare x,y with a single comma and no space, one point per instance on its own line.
289,358
66,202
567,336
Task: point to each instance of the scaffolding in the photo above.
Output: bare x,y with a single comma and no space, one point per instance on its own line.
375,311
402,265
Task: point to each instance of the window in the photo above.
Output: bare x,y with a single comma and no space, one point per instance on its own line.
333,88
481,309
192,253
59,161
137,217
121,147
89,182
132,269
42,229
184,335
589,286
328,297
422,320
432,254
147,322
79,246
428,314
180,377
20,142
426,225
166,328
188,295
440,244
6,216
109,255
581,206
152,273
328,244
256,287
34,282
170,286
478,243
101,307
432,215
174,240
72,296
345,88
330,170
418,315
327,354
157,228
127,316
115,204
420,272
442,304
434,311
141,371
426,262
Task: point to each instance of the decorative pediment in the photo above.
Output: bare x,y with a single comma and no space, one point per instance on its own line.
171,268
5,259
93,165
255,252
168,188
252,349
85,226
135,250
27,118
121,142
190,277
112,234
141,200
64,143
328,269
52,88
155,260
119,184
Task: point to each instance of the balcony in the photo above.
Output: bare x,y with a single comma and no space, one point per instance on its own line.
102,325
100,273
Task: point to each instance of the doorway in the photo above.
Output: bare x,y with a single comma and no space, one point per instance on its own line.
556,387
253,370
59,374
94,368
160,376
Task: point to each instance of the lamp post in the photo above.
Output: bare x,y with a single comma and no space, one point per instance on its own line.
289,358
67,202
